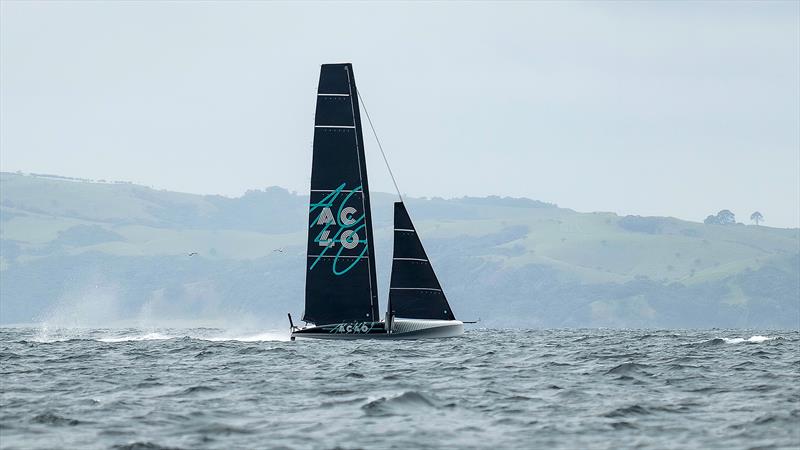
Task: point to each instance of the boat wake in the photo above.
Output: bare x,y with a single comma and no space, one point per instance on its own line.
137,335
142,337
268,336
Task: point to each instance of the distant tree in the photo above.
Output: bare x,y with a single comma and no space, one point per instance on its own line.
724,217
756,217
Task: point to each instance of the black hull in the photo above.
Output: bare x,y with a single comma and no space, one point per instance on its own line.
353,329
402,329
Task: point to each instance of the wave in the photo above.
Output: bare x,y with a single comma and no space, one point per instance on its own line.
633,410
195,390
142,446
54,419
406,402
626,368
45,335
721,341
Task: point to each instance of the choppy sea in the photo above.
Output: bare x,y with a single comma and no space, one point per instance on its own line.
564,389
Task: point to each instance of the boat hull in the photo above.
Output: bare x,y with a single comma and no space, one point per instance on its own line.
401,329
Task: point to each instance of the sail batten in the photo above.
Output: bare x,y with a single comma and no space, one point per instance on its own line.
414,290
340,276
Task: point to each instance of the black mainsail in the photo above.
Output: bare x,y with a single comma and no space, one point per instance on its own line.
340,277
414,292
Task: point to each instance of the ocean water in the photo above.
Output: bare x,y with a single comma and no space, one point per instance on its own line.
564,389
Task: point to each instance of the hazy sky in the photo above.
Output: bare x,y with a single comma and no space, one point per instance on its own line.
673,108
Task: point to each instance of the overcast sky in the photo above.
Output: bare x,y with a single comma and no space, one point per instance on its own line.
652,108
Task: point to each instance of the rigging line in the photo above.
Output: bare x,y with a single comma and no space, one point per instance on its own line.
358,92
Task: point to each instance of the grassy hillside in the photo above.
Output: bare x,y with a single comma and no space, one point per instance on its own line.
550,266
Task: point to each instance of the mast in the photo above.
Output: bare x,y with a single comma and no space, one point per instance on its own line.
362,160
340,277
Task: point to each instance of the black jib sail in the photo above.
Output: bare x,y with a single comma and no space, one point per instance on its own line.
340,277
414,292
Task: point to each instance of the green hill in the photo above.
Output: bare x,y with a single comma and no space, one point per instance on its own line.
512,262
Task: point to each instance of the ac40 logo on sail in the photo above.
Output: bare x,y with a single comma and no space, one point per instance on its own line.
340,225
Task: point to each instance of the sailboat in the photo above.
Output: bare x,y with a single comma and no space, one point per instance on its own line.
341,295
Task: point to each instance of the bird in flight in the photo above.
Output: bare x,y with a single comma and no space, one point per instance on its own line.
192,254
279,250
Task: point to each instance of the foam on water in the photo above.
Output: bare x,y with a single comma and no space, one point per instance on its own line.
752,339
